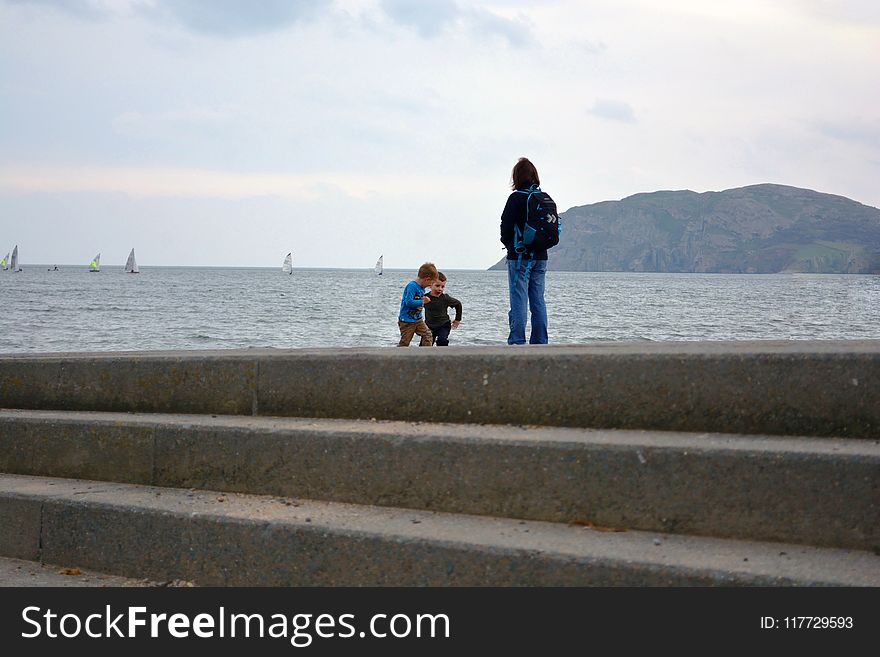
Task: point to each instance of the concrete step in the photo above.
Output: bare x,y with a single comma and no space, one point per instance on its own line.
815,491
796,388
20,572
228,539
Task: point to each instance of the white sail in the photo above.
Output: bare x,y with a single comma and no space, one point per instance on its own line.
95,264
379,265
131,265
287,267
14,262
5,262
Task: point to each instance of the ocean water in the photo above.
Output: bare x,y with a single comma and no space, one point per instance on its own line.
221,308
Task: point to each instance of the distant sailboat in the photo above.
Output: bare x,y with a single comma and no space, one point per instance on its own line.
5,262
14,262
379,265
131,265
287,267
95,264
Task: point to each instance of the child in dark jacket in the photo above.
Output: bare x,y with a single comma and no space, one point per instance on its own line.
437,311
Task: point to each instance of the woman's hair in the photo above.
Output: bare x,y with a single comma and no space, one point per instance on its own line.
523,174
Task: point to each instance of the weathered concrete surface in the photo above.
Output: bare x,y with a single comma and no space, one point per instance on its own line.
18,572
76,444
795,388
187,382
781,388
230,539
816,491
20,527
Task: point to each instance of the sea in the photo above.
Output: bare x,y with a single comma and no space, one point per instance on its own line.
73,310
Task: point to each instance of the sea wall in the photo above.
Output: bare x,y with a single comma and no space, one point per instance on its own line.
823,388
635,464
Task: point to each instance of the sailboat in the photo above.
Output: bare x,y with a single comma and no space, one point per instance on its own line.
379,265
131,265
287,267
95,264
14,262
5,262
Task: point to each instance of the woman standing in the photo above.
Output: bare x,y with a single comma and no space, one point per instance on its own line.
525,268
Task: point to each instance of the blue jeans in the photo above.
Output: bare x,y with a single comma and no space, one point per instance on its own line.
526,285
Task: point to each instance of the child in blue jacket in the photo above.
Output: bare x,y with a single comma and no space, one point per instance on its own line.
410,321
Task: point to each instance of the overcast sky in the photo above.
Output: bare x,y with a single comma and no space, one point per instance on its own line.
229,132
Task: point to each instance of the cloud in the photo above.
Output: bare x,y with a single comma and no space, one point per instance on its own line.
613,110
430,18
84,9
591,47
224,18
865,133
233,18
166,182
516,32
151,125
857,12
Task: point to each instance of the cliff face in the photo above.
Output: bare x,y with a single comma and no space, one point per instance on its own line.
756,229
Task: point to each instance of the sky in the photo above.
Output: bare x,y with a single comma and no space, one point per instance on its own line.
228,133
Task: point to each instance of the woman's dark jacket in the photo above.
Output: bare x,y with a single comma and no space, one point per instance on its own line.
515,214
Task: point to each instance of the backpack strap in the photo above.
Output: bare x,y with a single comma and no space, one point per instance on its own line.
518,245
527,270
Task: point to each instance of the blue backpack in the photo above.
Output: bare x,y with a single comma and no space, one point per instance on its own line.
542,226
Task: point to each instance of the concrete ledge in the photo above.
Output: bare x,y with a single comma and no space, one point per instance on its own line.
20,526
817,491
739,388
795,388
230,540
20,572
186,382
